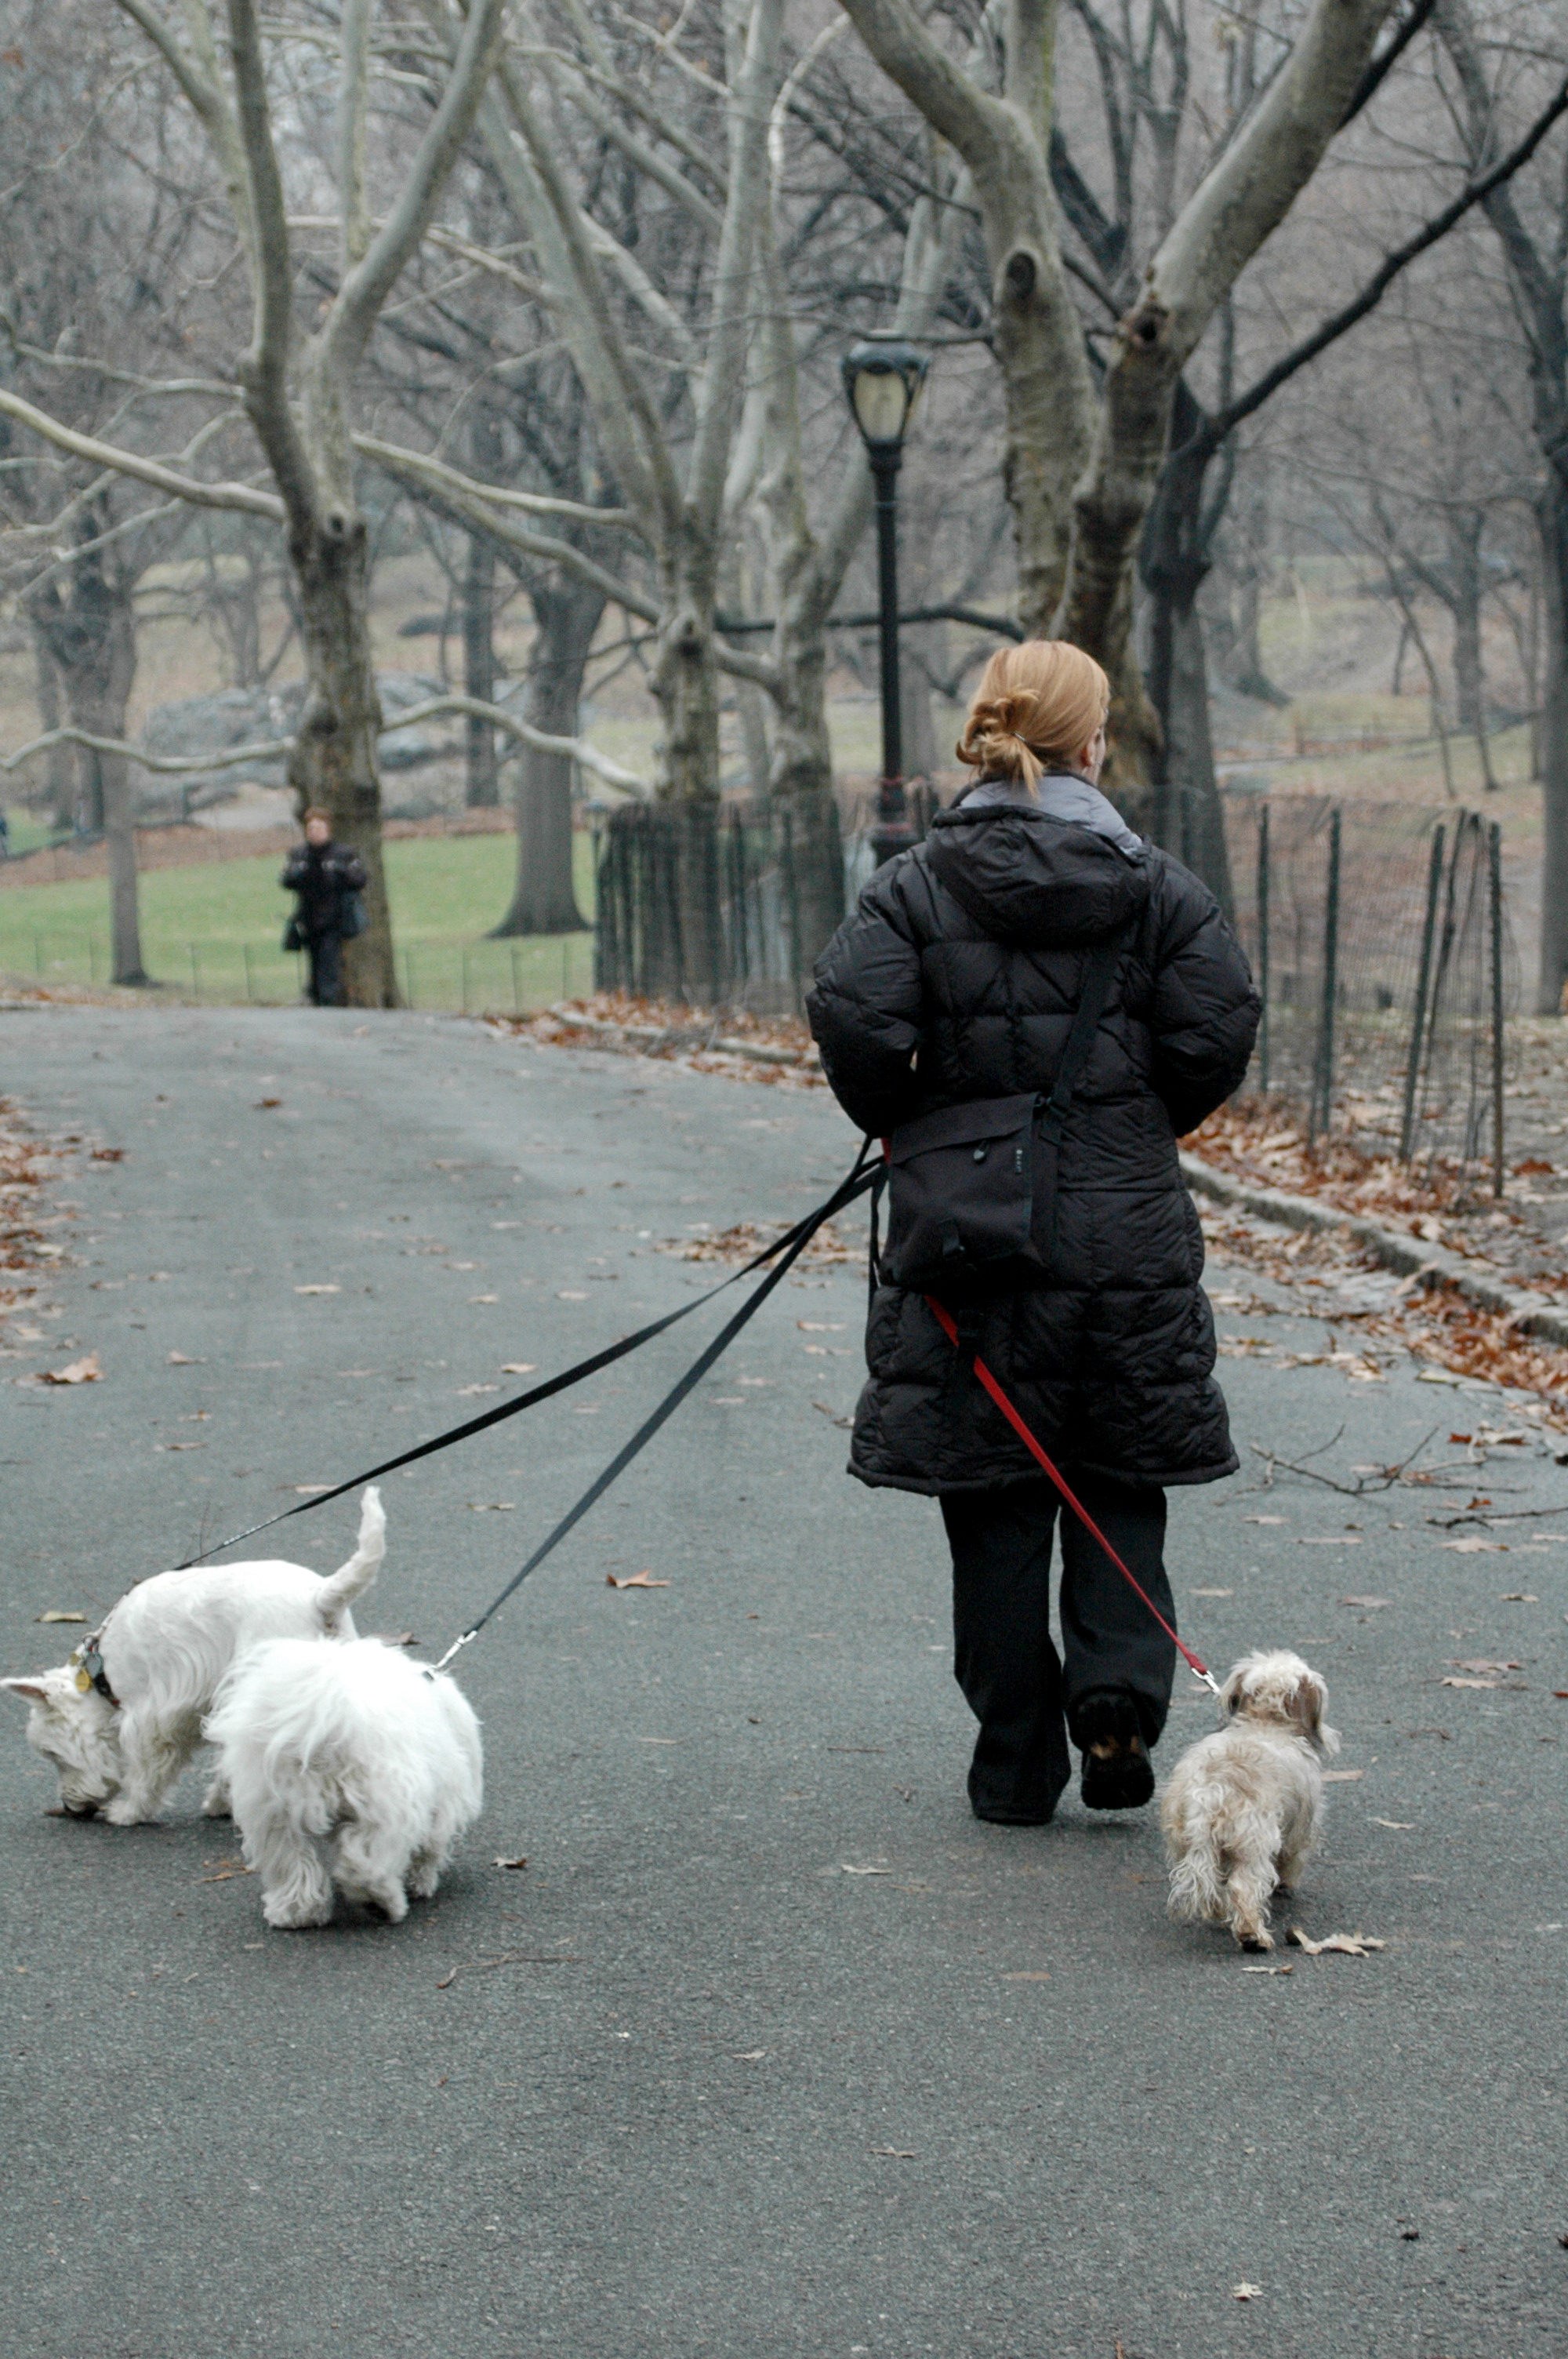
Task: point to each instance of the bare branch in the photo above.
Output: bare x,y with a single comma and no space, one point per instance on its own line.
144,471
391,455
367,286
263,371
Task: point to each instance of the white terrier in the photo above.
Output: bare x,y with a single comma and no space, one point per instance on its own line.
1242,1808
351,1748
122,1718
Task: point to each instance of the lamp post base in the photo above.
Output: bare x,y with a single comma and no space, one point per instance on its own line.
892,833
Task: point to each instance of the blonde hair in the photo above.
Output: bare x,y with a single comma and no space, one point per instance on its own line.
1037,703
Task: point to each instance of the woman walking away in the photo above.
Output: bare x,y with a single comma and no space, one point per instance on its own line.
329,879
1031,1008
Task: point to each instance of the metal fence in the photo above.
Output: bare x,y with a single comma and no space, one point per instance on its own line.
1379,939
721,905
454,976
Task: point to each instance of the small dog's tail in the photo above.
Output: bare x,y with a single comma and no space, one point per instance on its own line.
352,1580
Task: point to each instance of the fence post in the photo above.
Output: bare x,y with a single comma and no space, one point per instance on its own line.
195,971
250,981
516,985
1263,943
465,978
408,974
792,901
1323,1077
92,959
1495,864
1423,978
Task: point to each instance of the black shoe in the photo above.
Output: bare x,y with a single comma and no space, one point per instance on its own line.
1117,1773
1013,1818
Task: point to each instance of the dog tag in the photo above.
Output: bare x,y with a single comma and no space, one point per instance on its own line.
83,1681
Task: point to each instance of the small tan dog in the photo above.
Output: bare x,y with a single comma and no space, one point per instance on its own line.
1242,1808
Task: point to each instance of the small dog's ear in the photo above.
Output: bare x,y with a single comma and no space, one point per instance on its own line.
1231,1693
1306,1704
30,1691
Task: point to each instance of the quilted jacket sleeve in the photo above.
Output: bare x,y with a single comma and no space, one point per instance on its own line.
1205,1012
865,1009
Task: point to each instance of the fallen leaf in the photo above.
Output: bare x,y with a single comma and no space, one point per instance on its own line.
1450,1682
1342,1777
1040,1977
54,1614
1517,1597
80,1372
1400,1826
226,1869
644,1579
567,1296
898,2152
1268,1970
267,1101
184,1360
519,1862
821,1326
1264,1519
1329,1540
179,1445
1245,2292
312,1490
317,1290
1472,1545
448,1979
747,2055
1436,1377
863,1871
466,1392
493,1506
1368,1605
1477,1663
1214,1593
484,1298
847,1423
1349,1945
519,1367
108,1154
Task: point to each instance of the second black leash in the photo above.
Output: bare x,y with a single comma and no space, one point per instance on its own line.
860,1180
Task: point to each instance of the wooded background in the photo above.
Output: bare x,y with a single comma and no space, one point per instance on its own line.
512,333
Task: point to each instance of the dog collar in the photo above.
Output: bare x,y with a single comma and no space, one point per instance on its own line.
91,1674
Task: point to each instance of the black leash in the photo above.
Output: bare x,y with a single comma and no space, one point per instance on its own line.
858,1183
791,1240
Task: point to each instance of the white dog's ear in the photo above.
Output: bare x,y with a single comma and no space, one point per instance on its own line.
30,1691
1231,1693
1306,1704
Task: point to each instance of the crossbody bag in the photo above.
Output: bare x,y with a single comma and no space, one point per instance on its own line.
972,1189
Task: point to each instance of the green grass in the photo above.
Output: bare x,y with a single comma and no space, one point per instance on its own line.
212,930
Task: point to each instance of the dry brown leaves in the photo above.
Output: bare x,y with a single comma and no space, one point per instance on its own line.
745,1240
687,1036
1436,1325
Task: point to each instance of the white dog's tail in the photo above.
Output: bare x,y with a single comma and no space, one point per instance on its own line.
352,1580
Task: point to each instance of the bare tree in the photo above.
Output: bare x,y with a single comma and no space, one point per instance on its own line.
297,389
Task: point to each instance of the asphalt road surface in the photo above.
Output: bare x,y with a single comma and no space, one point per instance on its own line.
770,2049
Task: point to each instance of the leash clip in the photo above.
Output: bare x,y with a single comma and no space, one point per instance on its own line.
467,1640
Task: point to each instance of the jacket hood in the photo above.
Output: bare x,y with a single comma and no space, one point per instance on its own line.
1036,882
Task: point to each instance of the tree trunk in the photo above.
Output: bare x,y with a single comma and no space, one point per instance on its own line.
685,683
1185,810
91,637
1553,517
59,767
544,900
335,759
483,776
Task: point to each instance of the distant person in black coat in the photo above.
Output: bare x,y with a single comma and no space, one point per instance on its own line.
327,878
956,980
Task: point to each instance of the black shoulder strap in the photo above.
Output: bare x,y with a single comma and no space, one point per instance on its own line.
1097,980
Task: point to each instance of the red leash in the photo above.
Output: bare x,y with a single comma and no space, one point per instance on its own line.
949,1327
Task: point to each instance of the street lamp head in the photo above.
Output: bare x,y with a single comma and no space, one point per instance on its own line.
882,377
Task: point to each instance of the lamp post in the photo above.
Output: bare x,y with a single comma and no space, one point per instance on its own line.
882,377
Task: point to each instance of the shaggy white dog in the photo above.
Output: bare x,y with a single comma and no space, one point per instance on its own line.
348,1766
1242,1808
121,1719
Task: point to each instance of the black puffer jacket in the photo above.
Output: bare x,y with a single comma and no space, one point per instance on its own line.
919,1006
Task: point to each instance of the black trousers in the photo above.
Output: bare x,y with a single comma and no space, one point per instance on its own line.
325,969
1025,1696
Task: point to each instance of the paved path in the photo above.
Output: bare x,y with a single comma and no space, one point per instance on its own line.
984,2100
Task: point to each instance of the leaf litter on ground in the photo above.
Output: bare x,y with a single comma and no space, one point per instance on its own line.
1348,1945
